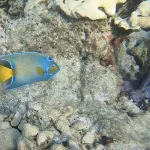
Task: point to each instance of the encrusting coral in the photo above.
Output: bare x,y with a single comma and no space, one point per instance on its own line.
87,8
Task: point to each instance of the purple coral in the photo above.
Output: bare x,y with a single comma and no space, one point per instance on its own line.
127,87
141,96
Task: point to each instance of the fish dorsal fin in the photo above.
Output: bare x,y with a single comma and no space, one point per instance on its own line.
6,63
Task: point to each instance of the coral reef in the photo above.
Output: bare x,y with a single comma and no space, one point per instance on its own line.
133,62
88,8
3,3
138,19
132,55
81,108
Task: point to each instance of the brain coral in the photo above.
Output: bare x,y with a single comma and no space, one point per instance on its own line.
88,8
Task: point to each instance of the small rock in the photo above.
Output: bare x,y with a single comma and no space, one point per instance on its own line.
88,138
16,119
21,124
34,105
1,118
63,126
4,125
30,131
100,147
8,139
79,126
58,147
65,139
43,136
73,145
22,145
25,144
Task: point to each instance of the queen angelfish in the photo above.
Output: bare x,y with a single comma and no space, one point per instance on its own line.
24,68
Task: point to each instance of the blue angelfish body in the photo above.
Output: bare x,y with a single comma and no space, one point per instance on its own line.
24,68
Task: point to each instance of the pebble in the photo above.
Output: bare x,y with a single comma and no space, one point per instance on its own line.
16,119
8,139
73,145
30,131
88,138
22,145
25,144
43,136
79,126
63,126
1,118
100,147
21,124
58,147
4,125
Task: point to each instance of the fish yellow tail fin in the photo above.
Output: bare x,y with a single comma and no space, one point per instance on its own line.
5,73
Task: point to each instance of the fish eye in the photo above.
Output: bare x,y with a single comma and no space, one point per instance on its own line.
49,58
53,65
53,68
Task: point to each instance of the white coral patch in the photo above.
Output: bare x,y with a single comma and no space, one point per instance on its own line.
87,8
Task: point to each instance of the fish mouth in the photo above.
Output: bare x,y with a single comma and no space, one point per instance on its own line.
46,72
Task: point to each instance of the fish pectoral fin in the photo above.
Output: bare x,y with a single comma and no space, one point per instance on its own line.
40,71
5,73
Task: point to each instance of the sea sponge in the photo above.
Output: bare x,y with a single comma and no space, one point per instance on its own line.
87,8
